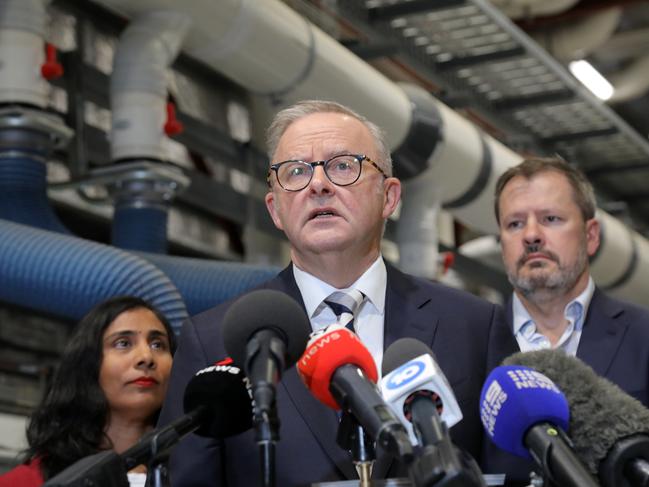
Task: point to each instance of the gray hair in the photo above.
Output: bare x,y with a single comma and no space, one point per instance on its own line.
284,118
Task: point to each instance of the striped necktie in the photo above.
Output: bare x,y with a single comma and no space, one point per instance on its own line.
345,305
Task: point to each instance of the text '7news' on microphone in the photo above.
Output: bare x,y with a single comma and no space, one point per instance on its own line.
525,414
265,332
341,373
217,405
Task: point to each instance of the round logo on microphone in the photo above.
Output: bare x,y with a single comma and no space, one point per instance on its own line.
405,374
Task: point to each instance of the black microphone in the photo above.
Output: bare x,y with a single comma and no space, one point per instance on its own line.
217,403
419,394
609,429
109,469
223,392
265,331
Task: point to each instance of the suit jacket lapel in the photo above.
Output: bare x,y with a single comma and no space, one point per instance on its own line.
320,420
602,334
404,317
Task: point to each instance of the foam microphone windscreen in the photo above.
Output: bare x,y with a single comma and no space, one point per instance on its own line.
401,351
222,390
514,399
265,309
601,413
327,350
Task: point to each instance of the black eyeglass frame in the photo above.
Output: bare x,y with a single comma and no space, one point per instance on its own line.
359,157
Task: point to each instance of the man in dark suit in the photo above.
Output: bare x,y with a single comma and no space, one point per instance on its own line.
545,210
331,191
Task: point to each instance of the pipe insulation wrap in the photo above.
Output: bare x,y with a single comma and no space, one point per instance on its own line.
261,45
614,256
66,276
137,126
147,47
412,156
204,283
138,90
477,209
22,28
632,285
23,196
272,44
417,227
580,37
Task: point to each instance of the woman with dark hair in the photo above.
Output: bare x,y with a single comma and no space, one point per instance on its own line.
106,392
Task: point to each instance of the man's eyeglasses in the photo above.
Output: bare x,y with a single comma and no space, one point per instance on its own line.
342,170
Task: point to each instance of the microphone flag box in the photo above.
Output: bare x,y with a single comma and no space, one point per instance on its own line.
420,375
515,398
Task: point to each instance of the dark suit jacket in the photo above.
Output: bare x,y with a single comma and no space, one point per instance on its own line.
457,326
615,343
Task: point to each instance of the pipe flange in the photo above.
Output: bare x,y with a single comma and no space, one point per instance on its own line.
15,118
142,183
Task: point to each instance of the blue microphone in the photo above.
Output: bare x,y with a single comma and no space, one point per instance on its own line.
525,414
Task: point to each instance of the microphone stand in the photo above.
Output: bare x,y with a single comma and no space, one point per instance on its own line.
440,463
109,469
265,361
353,438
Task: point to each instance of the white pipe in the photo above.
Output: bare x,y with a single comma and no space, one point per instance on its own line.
518,9
632,82
266,47
22,29
138,93
581,37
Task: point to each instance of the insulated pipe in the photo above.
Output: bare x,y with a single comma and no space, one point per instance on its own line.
580,37
22,29
517,9
138,100
204,283
66,276
632,82
269,49
138,93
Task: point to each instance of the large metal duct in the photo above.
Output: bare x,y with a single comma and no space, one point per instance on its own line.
269,49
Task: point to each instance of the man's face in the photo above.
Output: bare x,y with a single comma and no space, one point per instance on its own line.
545,241
324,217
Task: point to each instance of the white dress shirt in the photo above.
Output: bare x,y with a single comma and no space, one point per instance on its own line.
528,336
368,321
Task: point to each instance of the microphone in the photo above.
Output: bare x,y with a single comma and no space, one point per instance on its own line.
419,394
217,404
417,391
610,429
265,331
224,392
524,413
109,469
341,373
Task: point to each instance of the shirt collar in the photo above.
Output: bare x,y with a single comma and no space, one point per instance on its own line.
581,302
372,283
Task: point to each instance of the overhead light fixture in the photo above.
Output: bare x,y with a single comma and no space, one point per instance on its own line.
591,79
